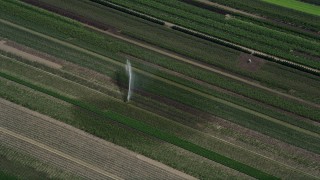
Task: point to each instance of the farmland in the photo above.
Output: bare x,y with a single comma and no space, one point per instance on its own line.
198,106
297,5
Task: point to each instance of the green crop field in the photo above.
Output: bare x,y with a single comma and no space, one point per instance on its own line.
214,91
297,5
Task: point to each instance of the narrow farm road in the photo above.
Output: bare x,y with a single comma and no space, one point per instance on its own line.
230,104
98,155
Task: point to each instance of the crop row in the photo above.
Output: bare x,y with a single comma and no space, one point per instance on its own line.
98,43
172,92
153,122
134,13
277,13
86,148
186,70
140,126
289,64
101,66
238,32
267,23
270,74
112,131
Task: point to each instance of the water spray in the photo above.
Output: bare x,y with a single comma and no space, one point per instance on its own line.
129,73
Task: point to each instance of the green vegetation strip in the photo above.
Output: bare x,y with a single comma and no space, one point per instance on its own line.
297,5
150,131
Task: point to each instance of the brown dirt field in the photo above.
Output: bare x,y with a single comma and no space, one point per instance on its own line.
32,57
79,147
254,65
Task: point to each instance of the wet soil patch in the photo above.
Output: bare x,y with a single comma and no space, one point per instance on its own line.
250,62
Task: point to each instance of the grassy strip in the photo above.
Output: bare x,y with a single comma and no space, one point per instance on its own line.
95,43
297,5
150,131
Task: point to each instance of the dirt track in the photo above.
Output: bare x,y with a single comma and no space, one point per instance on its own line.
82,149
30,57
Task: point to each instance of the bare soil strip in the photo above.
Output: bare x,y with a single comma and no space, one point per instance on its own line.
30,57
166,80
75,145
229,9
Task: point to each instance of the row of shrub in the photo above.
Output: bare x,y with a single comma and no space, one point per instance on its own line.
202,36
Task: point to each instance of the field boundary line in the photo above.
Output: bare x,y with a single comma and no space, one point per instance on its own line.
165,80
59,153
